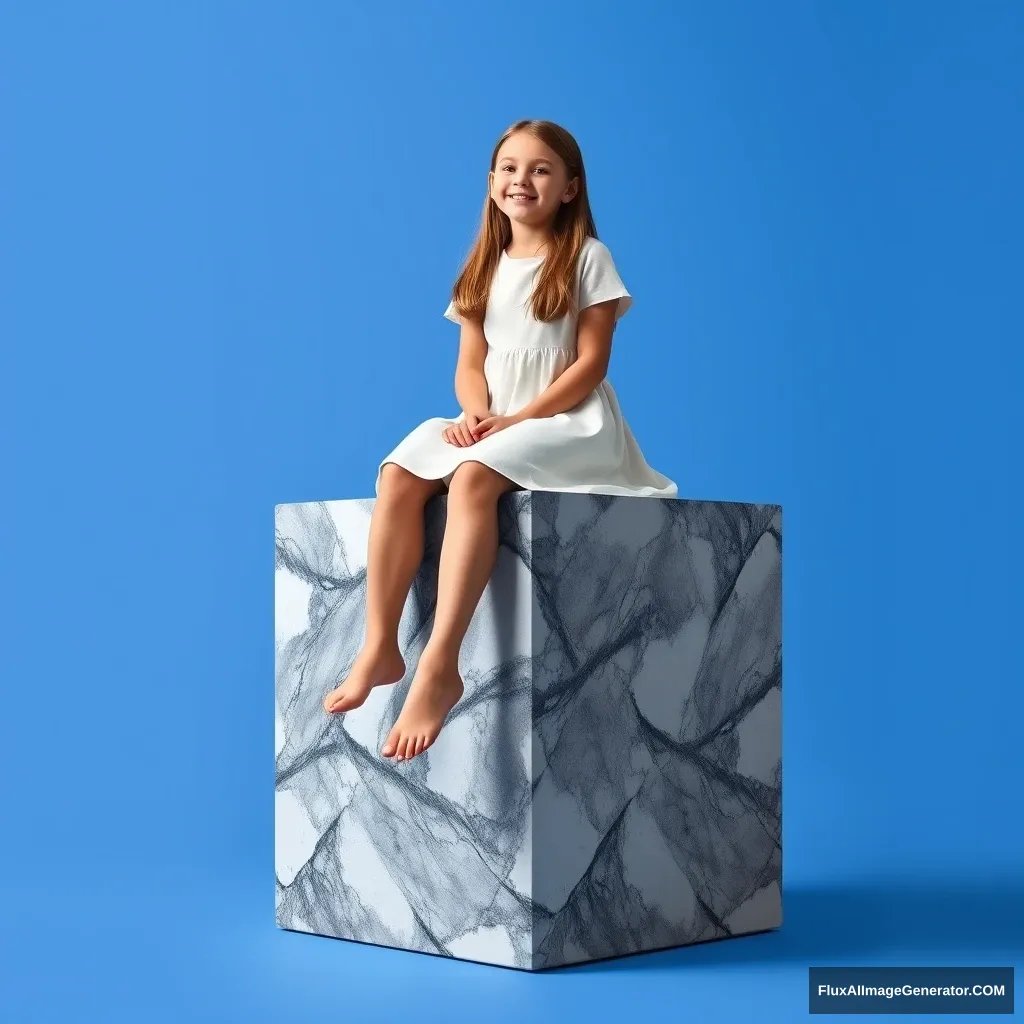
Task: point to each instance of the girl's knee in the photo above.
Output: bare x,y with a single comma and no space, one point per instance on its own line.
397,483
477,479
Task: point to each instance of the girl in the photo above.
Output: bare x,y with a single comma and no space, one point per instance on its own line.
537,301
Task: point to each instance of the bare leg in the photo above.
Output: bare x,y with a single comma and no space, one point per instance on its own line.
468,555
394,554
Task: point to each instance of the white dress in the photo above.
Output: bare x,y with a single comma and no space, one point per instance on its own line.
588,448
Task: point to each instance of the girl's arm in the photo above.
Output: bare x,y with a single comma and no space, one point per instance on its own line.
470,383
593,352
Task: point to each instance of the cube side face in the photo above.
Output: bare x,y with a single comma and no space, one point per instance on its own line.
657,741
432,854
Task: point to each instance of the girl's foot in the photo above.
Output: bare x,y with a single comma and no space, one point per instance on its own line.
374,666
435,690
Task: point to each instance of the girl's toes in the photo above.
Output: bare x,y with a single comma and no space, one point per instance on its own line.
398,747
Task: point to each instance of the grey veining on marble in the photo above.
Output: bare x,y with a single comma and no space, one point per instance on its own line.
609,783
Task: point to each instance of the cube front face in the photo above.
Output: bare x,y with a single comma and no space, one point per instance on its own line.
609,783
432,854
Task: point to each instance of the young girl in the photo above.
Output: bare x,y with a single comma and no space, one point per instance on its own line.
537,302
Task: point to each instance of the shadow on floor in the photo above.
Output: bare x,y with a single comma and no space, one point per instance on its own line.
864,922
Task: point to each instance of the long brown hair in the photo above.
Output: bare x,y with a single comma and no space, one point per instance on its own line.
553,292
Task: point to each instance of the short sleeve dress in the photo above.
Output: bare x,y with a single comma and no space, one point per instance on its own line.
588,448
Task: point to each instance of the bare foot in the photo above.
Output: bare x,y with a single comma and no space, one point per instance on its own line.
374,666
435,690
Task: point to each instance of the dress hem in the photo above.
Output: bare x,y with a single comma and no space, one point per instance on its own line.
527,484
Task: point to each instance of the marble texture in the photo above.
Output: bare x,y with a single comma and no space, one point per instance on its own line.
610,782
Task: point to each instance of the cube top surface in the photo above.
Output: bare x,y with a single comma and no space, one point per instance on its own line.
532,495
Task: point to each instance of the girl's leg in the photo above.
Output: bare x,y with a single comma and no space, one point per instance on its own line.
468,554
394,554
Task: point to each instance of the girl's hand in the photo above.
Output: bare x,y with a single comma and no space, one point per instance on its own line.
461,433
492,424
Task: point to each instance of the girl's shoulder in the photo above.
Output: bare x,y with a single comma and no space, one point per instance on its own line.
594,251
595,259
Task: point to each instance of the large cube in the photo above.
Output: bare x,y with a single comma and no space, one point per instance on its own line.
610,782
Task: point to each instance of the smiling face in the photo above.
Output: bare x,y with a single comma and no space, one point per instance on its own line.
530,180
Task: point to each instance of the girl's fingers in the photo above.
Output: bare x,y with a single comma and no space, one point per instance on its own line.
462,435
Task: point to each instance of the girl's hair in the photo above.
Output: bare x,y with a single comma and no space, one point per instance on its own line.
553,292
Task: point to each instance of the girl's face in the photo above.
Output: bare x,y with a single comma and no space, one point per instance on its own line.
530,180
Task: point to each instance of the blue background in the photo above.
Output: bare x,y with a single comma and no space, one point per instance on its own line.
229,231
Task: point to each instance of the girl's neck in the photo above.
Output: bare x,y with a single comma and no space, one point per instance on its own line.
527,242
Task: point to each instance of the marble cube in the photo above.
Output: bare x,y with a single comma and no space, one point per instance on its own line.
611,781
